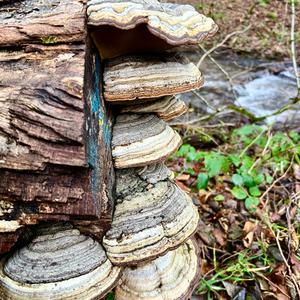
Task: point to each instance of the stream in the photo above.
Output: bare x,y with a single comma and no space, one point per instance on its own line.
259,86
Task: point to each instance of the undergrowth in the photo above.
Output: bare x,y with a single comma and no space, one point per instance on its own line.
247,190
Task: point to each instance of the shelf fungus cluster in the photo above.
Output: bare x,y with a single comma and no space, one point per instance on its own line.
89,206
151,236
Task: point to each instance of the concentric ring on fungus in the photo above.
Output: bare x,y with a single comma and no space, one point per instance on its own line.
160,26
60,265
140,140
150,218
172,276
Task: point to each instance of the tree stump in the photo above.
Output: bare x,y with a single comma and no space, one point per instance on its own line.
55,157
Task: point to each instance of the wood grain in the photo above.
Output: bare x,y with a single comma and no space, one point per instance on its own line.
55,157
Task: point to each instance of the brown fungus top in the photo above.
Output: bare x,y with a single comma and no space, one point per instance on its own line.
166,108
140,140
60,263
138,26
152,216
130,78
170,277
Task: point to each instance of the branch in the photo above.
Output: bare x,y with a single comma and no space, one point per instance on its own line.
293,47
230,35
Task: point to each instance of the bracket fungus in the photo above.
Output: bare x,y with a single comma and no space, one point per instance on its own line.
118,27
166,108
140,140
149,219
130,78
59,264
172,276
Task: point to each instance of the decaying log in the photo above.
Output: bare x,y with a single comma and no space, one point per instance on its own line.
55,161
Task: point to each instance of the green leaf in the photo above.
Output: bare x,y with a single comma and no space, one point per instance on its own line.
237,179
239,193
190,171
200,155
246,130
202,181
215,163
254,191
248,180
259,179
192,154
110,296
235,159
219,198
247,162
184,150
269,179
251,203
295,136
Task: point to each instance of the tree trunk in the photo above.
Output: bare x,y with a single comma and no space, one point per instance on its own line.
55,161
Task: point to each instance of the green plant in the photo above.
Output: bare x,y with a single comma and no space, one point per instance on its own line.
240,269
263,2
110,296
254,158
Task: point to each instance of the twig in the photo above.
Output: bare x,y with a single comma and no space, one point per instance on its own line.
286,263
205,101
293,47
273,284
264,151
230,35
274,183
248,146
222,70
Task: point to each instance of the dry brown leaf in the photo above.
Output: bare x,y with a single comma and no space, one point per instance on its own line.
183,177
183,186
294,240
249,226
203,195
248,239
220,236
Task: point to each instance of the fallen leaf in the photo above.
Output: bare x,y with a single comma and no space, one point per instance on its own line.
183,177
183,186
248,239
249,226
220,236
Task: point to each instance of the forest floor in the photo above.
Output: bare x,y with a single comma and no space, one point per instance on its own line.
245,179
270,21
247,189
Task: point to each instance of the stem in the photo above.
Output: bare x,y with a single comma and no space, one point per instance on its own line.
293,47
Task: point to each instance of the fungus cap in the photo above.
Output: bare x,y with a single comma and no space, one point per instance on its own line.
166,108
137,26
130,78
149,219
59,265
140,140
170,277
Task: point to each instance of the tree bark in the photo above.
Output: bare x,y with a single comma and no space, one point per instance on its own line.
55,158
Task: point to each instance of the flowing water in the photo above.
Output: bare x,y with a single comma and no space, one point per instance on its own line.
260,87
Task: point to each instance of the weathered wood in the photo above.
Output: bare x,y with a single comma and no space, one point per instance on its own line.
55,158
48,22
42,108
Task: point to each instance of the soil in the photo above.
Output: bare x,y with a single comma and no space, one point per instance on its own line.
269,35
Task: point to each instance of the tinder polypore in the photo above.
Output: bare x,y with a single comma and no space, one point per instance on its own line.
140,140
121,27
58,265
130,78
170,277
150,218
166,108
